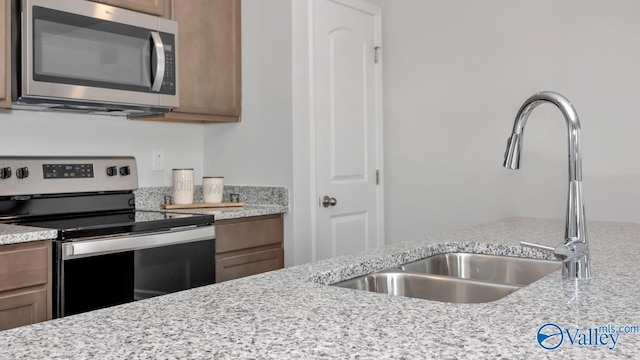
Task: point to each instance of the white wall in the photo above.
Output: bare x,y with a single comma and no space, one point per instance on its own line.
258,150
455,74
41,133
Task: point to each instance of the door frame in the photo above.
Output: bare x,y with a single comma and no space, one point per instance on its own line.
304,202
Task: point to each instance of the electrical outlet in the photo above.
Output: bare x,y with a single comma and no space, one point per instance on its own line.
158,160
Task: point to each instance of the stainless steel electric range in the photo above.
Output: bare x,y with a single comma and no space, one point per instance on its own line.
107,252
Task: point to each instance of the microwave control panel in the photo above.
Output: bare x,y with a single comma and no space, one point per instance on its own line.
169,81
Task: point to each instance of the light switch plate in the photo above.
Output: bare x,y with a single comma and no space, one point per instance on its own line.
158,160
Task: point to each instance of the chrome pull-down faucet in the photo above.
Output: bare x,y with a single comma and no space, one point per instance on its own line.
574,251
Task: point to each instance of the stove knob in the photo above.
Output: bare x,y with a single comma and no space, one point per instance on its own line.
125,170
22,172
5,172
112,170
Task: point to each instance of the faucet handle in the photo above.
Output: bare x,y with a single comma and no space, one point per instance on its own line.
571,250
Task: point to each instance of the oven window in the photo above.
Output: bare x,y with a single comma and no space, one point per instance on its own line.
105,280
97,282
168,269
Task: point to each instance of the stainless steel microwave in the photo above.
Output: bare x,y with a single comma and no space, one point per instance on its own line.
85,56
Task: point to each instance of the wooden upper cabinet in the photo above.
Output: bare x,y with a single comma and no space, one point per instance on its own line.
160,8
209,73
5,59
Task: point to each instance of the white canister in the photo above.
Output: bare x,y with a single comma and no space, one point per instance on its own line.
212,189
182,186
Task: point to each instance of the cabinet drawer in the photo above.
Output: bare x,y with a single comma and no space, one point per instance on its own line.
238,234
19,308
23,265
233,267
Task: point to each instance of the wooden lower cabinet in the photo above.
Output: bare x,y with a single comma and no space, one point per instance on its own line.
251,263
25,283
23,307
249,246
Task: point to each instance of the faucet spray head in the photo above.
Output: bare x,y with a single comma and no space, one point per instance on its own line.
512,155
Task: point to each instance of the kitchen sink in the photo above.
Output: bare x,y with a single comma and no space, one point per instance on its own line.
492,268
430,287
456,277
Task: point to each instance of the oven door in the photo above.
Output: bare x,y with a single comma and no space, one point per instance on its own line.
96,53
98,273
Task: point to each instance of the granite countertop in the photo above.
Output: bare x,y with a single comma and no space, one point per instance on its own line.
257,200
236,212
290,314
13,234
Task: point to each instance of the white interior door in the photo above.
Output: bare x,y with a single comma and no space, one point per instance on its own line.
347,126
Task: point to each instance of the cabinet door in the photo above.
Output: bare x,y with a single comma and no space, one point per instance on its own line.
154,7
209,60
24,265
249,246
250,263
5,58
25,283
23,307
251,232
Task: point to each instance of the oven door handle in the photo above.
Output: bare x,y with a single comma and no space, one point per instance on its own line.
110,245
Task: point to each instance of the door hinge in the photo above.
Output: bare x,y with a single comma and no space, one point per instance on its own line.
377,54
377,177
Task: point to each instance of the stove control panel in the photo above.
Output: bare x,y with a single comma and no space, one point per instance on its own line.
67,171
32,175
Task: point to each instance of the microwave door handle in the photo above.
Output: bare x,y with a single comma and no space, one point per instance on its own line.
159,51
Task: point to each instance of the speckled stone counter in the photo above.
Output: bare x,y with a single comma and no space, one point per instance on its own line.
13,234
236,212
290,314
258,200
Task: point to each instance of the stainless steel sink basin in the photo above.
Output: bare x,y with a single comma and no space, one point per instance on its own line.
456,277
492,268
430,287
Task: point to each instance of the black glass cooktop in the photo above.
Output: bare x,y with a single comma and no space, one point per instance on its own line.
117,223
